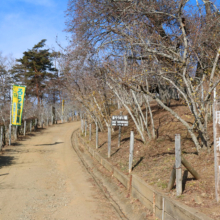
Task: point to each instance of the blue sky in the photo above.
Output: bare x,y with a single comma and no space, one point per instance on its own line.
23,23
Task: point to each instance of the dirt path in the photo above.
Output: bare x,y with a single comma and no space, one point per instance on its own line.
42,178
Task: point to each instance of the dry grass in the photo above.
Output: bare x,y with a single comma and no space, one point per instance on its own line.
154,161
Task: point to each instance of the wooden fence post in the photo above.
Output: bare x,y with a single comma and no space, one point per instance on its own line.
1,144
24,127
4,135
9,136
16,132
119,134
35,126
90,132
109,141
172,178
82,126
30,125
97,135
131,150
178,165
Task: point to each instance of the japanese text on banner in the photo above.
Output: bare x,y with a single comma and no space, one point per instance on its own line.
18,93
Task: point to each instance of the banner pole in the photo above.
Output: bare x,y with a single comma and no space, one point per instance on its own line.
9,142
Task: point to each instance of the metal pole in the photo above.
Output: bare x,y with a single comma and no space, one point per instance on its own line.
9,142
131,151
109,141
178,165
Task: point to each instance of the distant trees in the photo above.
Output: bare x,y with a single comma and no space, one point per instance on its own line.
41,71
5,79
6,63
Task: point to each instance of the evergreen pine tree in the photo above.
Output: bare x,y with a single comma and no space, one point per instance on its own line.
35,69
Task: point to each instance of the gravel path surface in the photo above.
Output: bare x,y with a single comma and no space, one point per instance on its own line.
41,178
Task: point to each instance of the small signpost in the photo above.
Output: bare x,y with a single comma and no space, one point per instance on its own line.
119,134
119,120
122,120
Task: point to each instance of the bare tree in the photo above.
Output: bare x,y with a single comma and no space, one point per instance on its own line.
170,44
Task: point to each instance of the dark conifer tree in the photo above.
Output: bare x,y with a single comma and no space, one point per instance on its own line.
35,69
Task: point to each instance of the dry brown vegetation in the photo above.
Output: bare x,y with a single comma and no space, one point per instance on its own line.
154,160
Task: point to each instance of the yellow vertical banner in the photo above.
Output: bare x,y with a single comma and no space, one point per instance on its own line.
18,93
63,101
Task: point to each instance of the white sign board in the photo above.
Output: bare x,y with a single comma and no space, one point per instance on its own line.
119,120
216,123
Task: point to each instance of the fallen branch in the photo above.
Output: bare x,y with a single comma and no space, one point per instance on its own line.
187,165
189,168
